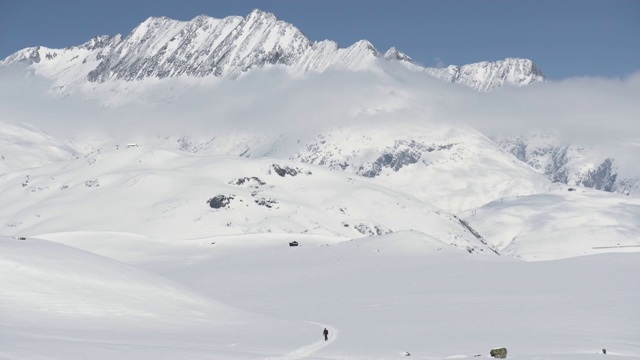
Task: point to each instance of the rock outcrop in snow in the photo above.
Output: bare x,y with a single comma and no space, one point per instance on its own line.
574,164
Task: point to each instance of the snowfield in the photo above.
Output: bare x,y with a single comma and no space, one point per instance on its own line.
255,297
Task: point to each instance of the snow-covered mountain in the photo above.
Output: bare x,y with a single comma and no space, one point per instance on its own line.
255,96
207,47
161,192
348,184
486,75
602,168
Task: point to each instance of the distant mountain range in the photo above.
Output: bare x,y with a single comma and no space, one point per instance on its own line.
162,48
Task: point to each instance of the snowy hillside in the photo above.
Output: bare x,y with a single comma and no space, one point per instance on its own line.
23,146
80,305
157,190
254,297
162,48
176,195
563,223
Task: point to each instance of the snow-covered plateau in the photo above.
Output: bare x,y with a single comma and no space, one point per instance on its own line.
153,185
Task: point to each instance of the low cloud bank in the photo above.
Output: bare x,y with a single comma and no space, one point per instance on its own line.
584,110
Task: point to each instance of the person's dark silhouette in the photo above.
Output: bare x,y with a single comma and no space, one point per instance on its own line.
326,334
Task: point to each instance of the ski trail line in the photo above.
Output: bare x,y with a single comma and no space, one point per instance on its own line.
308,350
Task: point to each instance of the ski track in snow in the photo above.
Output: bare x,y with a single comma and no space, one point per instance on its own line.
308,350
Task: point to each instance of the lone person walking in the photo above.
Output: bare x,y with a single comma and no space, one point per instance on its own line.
326,334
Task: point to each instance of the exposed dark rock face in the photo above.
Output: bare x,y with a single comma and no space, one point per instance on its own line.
402,154
603,178
567,164
285,170
248,180
220,201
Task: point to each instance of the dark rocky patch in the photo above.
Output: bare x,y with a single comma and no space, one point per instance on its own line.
247,180
402,153
220,201
285,170
267,202
282,171
369,230
474,233
603,178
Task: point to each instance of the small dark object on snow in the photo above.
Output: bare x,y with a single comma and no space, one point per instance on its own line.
293,243
326,334
406,353
604,351
22,238
500,353
571,189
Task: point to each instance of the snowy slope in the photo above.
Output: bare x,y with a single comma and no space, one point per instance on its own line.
62,302
563,223
24,146
164,193
455,169
173,194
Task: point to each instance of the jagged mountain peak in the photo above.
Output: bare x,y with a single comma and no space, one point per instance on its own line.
487,75
204,46
259,14
394,54
366,46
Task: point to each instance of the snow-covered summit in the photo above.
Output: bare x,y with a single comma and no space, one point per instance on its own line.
208,47
394,54
486,75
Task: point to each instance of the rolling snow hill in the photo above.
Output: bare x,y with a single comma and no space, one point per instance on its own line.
563,223
61,302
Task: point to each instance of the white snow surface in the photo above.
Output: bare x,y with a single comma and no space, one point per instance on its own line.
563,223
117,254
255,297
